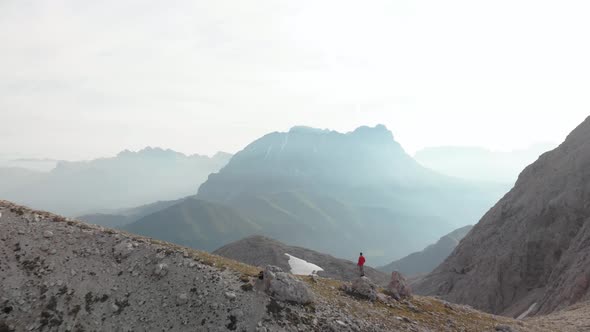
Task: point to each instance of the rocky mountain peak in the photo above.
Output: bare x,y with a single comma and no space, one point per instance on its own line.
379,133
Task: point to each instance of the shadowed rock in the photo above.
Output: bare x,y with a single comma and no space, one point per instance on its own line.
398,287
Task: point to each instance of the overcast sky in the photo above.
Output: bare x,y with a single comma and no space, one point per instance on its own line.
80,79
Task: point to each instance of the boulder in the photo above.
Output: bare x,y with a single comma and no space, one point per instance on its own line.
398,287
362,287
285,287
161,270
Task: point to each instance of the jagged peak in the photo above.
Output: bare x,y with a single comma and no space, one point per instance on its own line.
310,130
150,151
379,131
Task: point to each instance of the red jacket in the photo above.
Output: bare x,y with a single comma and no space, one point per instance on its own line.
361,261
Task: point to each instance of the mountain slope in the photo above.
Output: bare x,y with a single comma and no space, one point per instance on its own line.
260,251
531,250
58,274
119,218
428,259
195,223
129,179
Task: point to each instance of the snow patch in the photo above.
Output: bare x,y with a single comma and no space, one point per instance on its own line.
302,267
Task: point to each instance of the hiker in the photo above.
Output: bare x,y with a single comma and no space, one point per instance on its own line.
361,265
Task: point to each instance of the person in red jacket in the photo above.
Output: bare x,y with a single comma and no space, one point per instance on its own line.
361,265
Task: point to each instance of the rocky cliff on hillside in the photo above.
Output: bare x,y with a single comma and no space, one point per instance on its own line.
530,254
259,251
425,261
58,274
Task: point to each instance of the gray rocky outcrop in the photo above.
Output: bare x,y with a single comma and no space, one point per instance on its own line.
361,287
285,287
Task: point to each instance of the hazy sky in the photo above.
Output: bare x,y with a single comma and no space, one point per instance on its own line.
80,79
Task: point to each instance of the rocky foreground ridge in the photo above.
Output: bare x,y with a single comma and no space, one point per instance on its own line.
58,274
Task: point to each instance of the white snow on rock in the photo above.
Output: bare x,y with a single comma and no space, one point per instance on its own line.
302,267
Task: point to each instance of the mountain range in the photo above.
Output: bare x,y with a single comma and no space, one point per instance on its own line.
338,193
129,179
530,254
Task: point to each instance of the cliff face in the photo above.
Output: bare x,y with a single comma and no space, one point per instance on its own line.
532,249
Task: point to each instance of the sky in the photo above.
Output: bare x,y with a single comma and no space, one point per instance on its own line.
81,79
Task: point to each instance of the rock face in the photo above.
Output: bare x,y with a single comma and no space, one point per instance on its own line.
398,287
260,251
428,259
86,277
533,246
285,287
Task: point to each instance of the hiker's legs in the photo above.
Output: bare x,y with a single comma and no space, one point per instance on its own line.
362,270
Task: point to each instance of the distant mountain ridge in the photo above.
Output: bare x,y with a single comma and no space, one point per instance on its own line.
128,179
